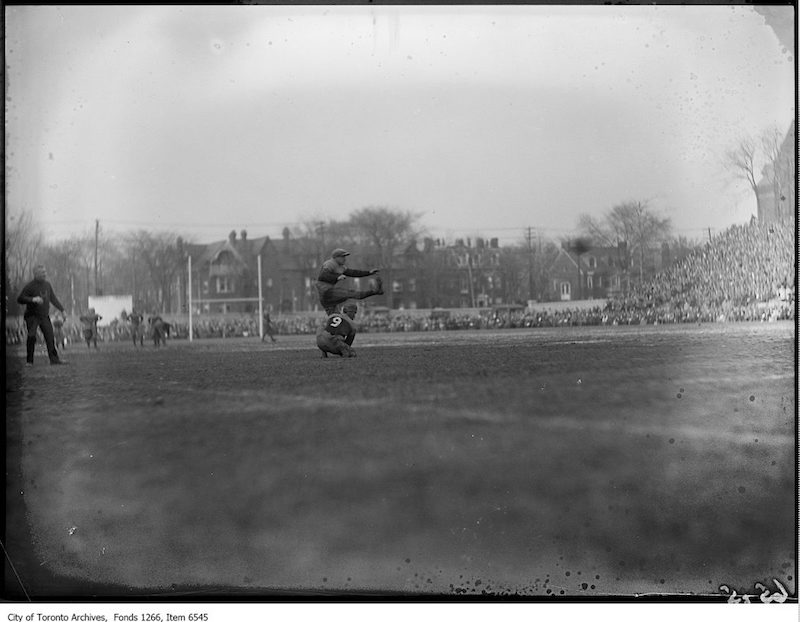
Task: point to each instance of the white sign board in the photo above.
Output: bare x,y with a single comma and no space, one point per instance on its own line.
110,307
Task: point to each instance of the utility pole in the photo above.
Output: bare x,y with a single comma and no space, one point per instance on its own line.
134,278
540,293
530,263
96,239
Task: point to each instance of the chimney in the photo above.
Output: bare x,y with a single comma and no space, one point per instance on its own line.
244,235
232,237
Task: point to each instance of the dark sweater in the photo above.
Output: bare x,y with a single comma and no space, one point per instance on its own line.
44,290
331,270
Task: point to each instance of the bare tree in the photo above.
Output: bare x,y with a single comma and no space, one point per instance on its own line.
513,267
23,248
316,239
69,268
385,231
163,259
740,161
630,226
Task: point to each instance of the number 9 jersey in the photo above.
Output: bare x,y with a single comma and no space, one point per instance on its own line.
339,324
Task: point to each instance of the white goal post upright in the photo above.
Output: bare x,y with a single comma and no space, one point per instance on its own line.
191,332
260,302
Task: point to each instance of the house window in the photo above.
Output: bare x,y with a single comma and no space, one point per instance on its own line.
397,287
590,282
205,287
269,282
224,285
615,282
565,288
599,281
412,285
592,263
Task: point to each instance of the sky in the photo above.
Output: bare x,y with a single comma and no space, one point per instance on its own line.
483,120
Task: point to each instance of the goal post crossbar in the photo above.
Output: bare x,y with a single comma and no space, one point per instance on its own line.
197,301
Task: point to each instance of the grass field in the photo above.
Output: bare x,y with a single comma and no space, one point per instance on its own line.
535,463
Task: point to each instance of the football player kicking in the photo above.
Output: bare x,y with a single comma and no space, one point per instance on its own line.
333,271
337,336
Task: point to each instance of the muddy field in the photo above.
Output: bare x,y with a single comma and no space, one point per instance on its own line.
549,463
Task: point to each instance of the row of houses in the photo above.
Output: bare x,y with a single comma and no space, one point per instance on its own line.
433,273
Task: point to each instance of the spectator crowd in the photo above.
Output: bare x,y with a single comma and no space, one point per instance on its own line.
745,274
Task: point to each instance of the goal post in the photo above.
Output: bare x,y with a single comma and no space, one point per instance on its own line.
192,302
260,302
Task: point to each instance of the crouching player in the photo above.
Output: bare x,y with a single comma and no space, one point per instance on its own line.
337,336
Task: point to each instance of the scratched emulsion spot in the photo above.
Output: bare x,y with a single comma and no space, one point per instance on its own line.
672,441
742,489
752,398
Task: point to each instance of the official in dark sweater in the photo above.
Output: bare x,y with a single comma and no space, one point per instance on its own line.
38,295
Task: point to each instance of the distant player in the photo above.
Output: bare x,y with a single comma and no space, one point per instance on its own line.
269,328
160,330
89,322
337,336
137,327
331,292
58,332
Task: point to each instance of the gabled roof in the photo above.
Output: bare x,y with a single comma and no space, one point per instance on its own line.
561,254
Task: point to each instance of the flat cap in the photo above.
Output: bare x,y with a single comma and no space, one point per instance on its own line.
340,252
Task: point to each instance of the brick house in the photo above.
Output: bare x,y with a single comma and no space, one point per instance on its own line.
225,274
603,271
